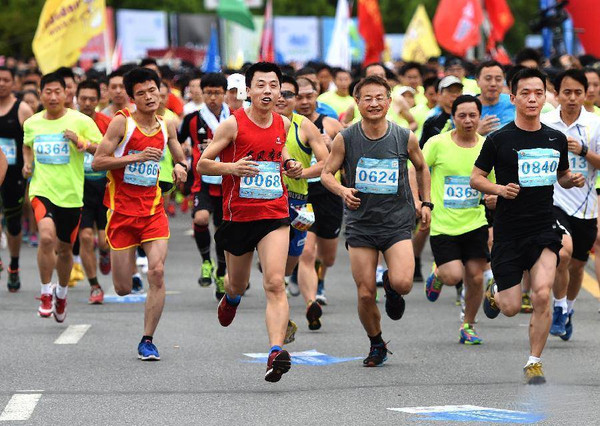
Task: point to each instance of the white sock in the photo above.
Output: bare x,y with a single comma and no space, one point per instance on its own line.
494,289
380,268
487,275
47,288
532,360
77,259
561,303
61,292
570,304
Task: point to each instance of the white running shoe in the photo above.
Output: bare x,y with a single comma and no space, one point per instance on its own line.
142,263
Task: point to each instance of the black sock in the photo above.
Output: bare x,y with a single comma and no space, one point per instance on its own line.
202,237
221,265
94,281
141,252
417,263
376,340
14,263
147,338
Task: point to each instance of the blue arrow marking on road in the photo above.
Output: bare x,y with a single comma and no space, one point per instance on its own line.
470,413
311,357
130,298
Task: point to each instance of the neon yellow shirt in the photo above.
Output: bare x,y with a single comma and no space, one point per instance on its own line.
420,112
166,162
339,103
58,167
301,151
457,206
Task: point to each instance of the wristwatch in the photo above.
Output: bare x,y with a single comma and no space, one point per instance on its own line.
427,204
182,164
584,151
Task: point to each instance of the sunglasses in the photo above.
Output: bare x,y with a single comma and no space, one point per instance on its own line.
287,94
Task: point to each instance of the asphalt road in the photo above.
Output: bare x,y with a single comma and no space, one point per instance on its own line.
205,378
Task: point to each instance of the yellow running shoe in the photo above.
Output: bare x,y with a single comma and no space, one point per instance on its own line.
534,375
76,275
526,306
290,333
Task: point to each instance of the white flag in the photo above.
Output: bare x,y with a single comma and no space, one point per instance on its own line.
339,49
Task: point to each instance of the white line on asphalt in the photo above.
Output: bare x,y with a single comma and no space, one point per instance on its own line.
72,334
20,407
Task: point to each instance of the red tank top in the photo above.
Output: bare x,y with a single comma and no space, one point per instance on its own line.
265,146
102,121
133,190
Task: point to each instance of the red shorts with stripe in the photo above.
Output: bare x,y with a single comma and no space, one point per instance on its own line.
123,231
66,219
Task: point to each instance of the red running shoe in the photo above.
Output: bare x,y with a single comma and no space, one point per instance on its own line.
45,309
104,262
278,364
226,312
96,296
60,309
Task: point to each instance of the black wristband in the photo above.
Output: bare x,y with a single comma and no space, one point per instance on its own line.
584,150
286,161
427,204
182,164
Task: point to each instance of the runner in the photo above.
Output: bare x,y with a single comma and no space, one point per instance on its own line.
68,76
251,145
303,140
93,213
56,139
576,209
200,127
339,99
380,214
497,109
131,149
459,232
321,243
13,114
526,235
116,92
196,98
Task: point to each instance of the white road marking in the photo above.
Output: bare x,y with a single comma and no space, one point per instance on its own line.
72,334
20,407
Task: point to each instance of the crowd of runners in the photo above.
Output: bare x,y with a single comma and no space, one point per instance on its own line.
494,165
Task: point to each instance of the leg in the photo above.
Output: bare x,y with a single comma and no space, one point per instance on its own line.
238,273
88,256
46,255
473,288
363,262
542,278
401,264
327,251
576,269
64,262
561,281
307,275
123,265
509,300
451,273
155,300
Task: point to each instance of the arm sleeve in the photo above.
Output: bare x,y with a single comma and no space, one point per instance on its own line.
27,134
487,156
563,163
430,153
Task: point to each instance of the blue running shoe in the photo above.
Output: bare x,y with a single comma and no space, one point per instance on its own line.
433,287
137,285
490,308
568,327
559,321
147,351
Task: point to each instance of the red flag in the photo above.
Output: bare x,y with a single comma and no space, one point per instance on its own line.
267,52
586,15
370,27
456,24
501,19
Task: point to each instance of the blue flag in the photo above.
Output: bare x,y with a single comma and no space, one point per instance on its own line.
212,60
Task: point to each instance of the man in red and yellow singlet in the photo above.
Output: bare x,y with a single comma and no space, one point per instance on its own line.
130,151
251,146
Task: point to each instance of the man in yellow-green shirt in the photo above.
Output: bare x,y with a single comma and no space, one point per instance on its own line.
459,229
339,99
55,140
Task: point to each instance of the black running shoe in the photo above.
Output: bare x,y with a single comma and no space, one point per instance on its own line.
313,315
14,282
394,302
377,355
489,304
278,364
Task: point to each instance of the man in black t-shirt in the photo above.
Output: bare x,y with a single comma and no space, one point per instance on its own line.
528,158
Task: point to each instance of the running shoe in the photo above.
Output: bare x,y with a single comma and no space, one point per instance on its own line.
292,286
559,321
526,306
171,210
321,297
76,274
14,282
105,262
468,336
313,315
59,309
147,351
568,327
137,285
226,312
459,289
45,308
394,302
534,375
142,263
377,355
489,304
433,286
33,240
379,276
219,288
290,333
278,364
96,295
205,279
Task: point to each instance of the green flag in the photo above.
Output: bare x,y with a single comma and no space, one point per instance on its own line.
236,11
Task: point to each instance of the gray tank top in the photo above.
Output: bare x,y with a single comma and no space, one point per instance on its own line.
378,169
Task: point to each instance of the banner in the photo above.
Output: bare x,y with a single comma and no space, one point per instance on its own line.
338,53
241,44
140,30
357,44
267,48
64,29
370,27
100,47
297,39
457,23
586,15
419,41
194,30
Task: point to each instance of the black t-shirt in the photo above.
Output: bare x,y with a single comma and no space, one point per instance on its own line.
530,159
434,126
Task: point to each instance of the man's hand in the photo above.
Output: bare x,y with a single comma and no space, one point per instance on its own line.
149,154
72,136
574,146
490,201
294,169
27,170
244,167
425,218
350,198
204,144
509,191
327,140
179,174
418,205
488,125
577,179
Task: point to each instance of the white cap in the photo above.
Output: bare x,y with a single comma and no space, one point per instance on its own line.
448,81
402,90
236,81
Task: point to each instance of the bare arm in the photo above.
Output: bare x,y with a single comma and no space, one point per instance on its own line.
423,177
568,180
24,112
27,161
332,165
317,145
3,166
414,189
576,148
480,182
179,171
348,116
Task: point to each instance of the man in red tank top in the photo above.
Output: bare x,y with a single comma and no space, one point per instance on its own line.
130,151
251,146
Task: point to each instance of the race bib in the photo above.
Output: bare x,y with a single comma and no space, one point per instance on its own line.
458,193
578,164
52,149
537,167
266,185
141,174
377,176
9,147
213,180
87,162
303,217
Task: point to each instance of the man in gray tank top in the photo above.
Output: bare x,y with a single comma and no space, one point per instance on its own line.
380,210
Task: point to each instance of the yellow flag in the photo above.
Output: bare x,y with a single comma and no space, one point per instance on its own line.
419,41
65,27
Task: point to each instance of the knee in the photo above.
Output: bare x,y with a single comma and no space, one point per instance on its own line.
13,225
401,283
328,259
474,280
64,251
274,284
156,272
565,258
510,309
86,237
201,220
122,291
540,299
367,295
451,278
46,240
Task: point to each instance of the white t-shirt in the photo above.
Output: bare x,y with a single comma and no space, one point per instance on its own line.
581,203
190,107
